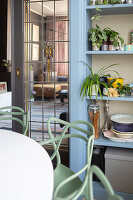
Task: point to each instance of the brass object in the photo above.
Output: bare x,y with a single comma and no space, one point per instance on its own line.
18,72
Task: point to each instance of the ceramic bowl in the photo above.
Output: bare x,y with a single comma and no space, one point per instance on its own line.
123,135
122,122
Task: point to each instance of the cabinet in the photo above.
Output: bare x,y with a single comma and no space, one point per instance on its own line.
109,11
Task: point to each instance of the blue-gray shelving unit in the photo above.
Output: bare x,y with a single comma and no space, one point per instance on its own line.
116,9
80,15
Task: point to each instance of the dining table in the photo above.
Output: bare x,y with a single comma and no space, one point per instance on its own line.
26,170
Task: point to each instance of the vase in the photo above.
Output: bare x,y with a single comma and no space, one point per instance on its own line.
94,118
94,90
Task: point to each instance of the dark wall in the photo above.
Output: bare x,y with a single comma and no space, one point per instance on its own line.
3,30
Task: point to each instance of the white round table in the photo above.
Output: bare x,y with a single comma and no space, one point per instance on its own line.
26,171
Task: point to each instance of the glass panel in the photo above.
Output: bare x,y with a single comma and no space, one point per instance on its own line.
62,71
61,8
35,11
34,51
47,64
48,9
48,31
61,30
61,52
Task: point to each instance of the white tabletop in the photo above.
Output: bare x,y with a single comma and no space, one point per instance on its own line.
26,171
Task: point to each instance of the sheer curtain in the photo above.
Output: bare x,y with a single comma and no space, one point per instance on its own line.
61,46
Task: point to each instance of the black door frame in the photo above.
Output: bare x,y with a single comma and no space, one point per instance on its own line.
17,55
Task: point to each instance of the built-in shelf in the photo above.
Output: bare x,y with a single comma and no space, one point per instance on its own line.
103,141
115,9
109,52
125,98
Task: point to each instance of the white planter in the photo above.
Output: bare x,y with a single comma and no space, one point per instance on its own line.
95,48
94,90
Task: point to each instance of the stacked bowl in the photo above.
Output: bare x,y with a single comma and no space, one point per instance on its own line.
122,125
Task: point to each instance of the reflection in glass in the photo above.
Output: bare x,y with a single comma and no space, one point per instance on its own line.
46,48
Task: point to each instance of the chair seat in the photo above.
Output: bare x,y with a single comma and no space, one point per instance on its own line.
60,174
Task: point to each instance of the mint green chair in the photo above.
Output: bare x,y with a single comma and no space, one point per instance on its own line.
11,113
95,170
67,184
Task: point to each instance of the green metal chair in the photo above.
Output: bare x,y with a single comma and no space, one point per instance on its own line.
95,170
11,113
67,184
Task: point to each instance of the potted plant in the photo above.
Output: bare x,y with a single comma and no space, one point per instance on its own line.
115,1
97,36
123,89
93,81
114,39
6,65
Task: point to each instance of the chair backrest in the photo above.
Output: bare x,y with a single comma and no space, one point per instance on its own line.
96,170
56,141
84,131
17,114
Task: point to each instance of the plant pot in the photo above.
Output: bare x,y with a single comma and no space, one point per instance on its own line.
95,48
111,47
105,46
94,90
103,80
118,80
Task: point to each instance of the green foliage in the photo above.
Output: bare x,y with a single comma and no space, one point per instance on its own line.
109,84
97,36
114,37
5,62
93,79
115,1
123,89
97,16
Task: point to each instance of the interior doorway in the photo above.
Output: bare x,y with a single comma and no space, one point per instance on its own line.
46,64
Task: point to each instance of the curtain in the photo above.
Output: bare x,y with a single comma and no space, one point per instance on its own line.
61,44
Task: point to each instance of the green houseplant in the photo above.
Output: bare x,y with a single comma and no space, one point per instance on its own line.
123,89
97,36
113,37
115,1
93,79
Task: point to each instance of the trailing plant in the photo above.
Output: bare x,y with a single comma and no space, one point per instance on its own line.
93,79
115,1
97,36
114,37
123,89
97,16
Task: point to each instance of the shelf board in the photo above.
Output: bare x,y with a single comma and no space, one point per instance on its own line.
125,98
103,141
115,9
109,52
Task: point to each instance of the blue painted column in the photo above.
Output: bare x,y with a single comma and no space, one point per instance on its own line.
78,108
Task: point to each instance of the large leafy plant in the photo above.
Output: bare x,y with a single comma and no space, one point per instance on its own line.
114,37
97,36
93,79
123,89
